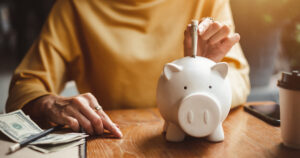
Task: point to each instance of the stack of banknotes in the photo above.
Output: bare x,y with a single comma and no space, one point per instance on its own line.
18,127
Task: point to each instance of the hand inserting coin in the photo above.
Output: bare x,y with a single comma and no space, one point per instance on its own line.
197,112
209,38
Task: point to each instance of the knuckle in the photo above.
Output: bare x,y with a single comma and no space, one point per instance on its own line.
226,29
76,100
85,94
102,115
68,109
215,25
48,107
79,101
97,120
89,95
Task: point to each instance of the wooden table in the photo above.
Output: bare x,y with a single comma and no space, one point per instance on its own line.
245,136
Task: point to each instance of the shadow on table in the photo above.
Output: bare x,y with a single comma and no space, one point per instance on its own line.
190,147
105,135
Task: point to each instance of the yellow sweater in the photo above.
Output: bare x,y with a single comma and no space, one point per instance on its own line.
116,50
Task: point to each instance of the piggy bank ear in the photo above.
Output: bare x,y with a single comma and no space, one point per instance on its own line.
221,68
171,68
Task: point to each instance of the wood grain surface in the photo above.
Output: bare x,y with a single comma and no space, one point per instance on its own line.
245,136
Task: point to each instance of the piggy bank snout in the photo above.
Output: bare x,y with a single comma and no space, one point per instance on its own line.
199,114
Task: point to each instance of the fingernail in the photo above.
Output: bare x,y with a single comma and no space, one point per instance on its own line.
120,133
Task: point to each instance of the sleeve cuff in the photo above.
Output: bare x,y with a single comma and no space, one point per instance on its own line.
23,94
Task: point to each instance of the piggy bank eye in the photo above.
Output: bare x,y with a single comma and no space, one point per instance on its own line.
210,87
185,87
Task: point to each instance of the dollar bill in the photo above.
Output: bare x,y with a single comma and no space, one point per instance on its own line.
59,138
18,127
54,148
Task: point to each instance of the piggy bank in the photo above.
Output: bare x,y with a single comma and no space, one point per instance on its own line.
194,98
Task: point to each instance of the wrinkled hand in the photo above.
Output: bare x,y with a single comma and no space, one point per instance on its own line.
78,111
214,40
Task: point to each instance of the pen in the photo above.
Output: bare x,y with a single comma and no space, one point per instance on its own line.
17,146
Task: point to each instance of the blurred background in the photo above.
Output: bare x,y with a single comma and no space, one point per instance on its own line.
269,29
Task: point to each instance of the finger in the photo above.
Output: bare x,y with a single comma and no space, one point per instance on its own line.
72,123
83,121
203,25
83,104
62,118
211,30
220,35
107,123
187,41
228,43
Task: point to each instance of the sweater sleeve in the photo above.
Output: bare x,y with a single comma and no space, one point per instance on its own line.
238,65
45,68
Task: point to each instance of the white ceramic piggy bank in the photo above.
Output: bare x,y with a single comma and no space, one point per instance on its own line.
194,98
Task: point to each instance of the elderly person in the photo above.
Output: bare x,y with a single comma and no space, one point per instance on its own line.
115,52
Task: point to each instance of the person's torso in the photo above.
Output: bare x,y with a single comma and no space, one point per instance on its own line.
125,45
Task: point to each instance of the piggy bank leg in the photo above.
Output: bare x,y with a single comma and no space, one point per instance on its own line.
174,133
217,135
